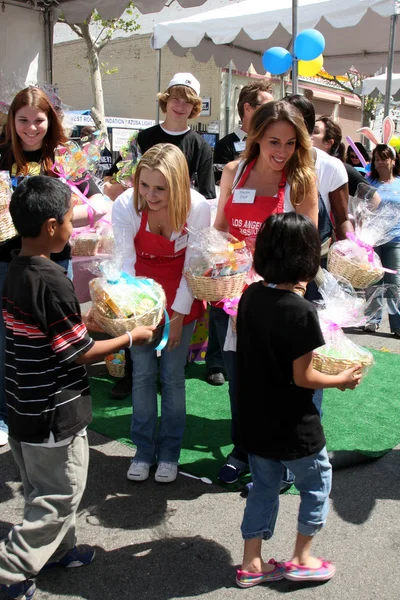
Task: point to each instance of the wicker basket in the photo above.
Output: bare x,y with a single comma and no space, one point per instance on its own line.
82,245
213,289
116,327
358,276
7,229
115,370
334,366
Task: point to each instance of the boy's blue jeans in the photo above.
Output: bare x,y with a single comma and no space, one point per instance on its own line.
164,446
313,476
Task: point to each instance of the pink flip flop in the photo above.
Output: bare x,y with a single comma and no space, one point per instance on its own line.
245,579
301,573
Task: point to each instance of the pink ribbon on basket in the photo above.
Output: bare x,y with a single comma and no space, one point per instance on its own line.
230,306
370,251
60,172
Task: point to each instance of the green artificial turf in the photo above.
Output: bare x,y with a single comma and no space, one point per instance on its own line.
365,420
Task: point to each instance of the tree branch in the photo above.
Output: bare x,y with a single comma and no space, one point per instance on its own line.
340,84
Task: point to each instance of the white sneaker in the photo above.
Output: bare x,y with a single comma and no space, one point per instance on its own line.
371,327
138,471
166,472
3,437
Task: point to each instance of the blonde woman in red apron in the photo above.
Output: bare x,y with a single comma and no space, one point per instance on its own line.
150,233
275,175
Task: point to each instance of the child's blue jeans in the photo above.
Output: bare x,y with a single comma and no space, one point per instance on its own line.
313,475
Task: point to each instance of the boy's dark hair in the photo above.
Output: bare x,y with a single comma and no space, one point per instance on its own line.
37,199
288,249
306,108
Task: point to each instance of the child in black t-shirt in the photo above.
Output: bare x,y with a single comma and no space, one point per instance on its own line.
47,388
279,424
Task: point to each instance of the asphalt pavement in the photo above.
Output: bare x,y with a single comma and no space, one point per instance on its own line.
182,540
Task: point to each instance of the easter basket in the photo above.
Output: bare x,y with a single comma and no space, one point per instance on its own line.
218,265
7,229
115,369
85,243
376,217
210,289
121,305
341,306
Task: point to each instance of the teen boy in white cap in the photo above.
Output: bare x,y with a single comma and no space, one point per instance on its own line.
180,102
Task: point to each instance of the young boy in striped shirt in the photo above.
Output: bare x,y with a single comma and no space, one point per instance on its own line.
47,388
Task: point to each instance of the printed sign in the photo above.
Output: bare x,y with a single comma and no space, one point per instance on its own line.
120,138
206,107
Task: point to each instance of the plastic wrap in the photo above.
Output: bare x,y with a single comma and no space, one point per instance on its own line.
216,254
122,302
131,155
355,258
7,229
107,242
341,307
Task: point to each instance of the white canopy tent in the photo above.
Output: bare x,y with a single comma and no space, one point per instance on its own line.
26,30
379,83
356,32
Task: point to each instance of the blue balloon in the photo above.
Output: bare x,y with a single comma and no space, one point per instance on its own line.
309,44
277,60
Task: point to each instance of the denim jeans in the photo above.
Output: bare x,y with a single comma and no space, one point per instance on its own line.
390,256
164,446
214,359
237,458
313,480
67,265
3,405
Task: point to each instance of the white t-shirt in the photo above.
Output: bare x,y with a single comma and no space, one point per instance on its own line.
331,175
126,224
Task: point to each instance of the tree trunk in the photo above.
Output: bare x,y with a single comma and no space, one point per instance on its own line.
97,112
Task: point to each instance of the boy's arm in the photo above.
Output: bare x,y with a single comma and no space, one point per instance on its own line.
305,376
102,348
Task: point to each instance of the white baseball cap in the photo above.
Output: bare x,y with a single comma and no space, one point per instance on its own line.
185,79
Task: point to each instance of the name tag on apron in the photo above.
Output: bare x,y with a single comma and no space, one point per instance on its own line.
239,146
181,243
244,196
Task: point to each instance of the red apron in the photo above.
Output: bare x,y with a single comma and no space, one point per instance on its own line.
156,258
245,220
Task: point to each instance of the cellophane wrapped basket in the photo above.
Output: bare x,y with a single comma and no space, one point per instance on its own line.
354,258
122,302
218,265
107,243
341,307
7,229
85,242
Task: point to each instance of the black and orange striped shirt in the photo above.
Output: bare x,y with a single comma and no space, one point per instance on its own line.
46,391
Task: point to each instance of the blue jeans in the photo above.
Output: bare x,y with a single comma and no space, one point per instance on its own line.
67,265
164,446
238,457
3,405
390,256
313,480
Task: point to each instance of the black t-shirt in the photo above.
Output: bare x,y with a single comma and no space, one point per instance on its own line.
196,150
225,152
35,167
277,419
355,177
46,391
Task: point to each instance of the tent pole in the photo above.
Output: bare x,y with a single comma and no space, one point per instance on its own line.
294,36
393,24
48,44
228,99
158,83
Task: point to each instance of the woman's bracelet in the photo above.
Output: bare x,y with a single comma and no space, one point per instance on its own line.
128,333
300,290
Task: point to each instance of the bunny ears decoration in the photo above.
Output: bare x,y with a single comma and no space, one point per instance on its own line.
387,134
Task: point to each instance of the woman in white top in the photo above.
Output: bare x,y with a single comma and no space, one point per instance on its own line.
150,234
